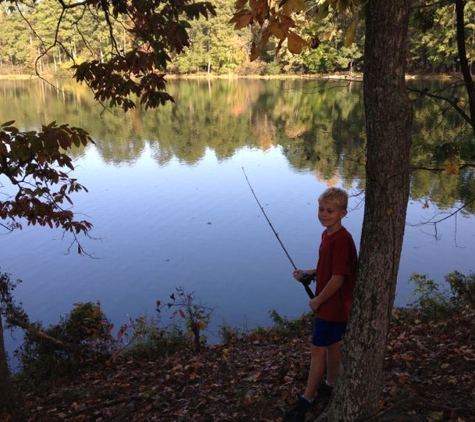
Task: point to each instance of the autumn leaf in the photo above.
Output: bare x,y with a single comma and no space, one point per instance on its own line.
295,43
451,167
278,30
291,6
256,50
241,19
121,331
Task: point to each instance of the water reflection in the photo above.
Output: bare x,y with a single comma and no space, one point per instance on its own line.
171,206
319,125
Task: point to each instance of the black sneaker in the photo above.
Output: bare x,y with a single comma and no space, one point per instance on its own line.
324,390
298,411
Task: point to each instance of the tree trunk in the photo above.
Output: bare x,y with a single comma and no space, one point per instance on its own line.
465,68
389,126
7,394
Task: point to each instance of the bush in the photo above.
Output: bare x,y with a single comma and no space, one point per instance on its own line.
143,338
272,68
432,302
284,325
195,315
251,68
85,335
60,349
463,289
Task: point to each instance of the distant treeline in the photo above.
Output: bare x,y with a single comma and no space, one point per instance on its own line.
30,38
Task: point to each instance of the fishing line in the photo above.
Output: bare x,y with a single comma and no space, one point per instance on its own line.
305,282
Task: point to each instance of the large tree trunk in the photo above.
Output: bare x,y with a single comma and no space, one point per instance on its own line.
389,126
7,396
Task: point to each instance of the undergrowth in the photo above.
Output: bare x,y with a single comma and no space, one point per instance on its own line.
86,335
434,300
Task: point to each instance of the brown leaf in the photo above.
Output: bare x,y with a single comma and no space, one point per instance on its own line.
241,19
291,6
295,43
278,30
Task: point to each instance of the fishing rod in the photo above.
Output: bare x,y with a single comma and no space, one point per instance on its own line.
306,278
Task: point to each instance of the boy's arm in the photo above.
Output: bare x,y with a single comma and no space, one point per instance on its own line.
329,290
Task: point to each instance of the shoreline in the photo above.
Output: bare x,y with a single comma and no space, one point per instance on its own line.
210,76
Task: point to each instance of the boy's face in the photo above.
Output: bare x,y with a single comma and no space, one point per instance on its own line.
330,215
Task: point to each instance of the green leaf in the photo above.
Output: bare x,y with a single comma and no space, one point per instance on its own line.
351,33
322,11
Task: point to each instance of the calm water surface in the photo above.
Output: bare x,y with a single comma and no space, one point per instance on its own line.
170,214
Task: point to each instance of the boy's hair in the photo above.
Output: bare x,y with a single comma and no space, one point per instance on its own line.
336,196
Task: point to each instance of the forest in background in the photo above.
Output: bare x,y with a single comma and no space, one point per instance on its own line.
31,41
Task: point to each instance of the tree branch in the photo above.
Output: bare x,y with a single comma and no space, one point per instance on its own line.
452,102
12,321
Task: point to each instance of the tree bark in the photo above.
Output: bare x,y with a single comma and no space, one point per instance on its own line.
464,65
388,113
7,393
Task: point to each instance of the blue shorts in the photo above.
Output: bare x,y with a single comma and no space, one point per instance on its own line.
326,333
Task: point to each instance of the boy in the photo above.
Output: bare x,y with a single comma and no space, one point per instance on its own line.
335,276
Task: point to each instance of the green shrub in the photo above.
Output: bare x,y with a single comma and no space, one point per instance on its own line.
60,349
463,289
143,338
284,325
433,301
272,68
228,333
251,68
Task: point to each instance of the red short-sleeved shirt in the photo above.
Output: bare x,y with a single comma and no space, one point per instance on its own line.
337,256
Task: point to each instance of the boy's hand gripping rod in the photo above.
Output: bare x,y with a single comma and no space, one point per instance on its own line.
305,282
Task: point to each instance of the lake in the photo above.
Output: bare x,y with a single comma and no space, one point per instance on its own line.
171,206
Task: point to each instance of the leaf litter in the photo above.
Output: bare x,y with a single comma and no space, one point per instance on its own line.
429,375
